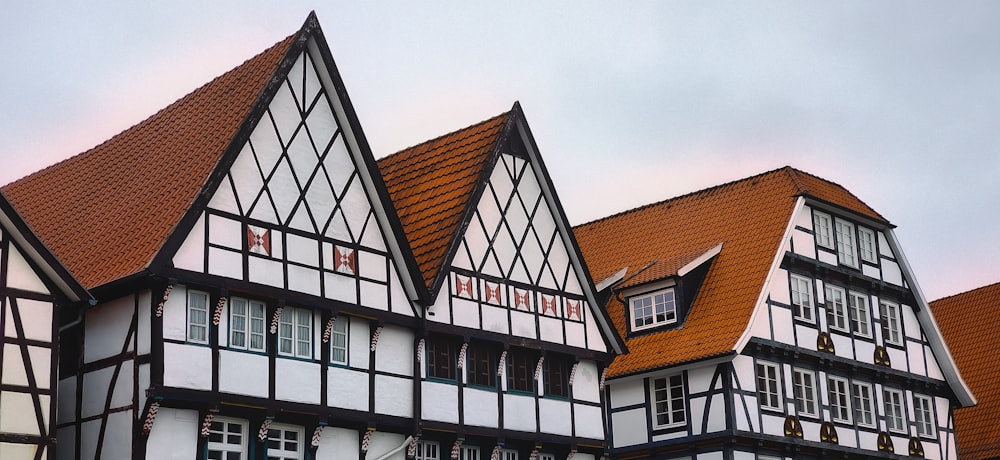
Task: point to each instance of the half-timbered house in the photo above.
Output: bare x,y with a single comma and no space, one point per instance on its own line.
971,327
770,317
258,296
39,298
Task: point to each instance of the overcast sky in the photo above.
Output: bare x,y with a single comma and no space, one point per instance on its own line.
629,103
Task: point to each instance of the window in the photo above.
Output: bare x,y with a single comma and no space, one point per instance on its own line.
441,358
846,246
923,414
295,332
226,439
480,365
546,457
859,314
890,323
521,370
427,450
668,401
822,228
246,324
768,386
804,390
555,375
840,404
893,410
864,410
654,309
508,454
284,442
836,308
802,298
866,244
468,453
338,340
197,317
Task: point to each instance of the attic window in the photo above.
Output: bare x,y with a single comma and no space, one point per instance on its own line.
654,309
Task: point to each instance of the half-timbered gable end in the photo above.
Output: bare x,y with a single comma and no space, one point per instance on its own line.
36,292
971,327
515,345
770,313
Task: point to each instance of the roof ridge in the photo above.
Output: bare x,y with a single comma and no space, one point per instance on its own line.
450,133
155,115
980,288
679,197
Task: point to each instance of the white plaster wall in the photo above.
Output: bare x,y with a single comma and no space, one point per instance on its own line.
897,358
175,314
669,436
481,407
586,381
827,257
397,295
383,442
107,326
187,366
522,324
15,372
119,446
394,352
696,406
595,339
95,389
465,313
871,271
439,401
225,232
296,380
554,416
303,279
394,396
589,423
374,295
20,275
360,343
338,444
891,273
782,318
778,288
243,373
519,412
865,351
17,413
576,334
773,424
495,319
627,393
933,370
174,435
265,271
143,334
629,427
347,388
340,287
372,265
66,402
88,438
806,336
804,244
66,437
191,255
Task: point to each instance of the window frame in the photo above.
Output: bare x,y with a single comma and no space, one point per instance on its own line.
422,450
555,375
836,312
923,405
670,383
823,233
520,366
248,323
653,319
190,323
508,454
847,243
465,450
859,317
442,358
226,447
899,414
867,235
298,454
859,401
480,362
340,321
891,324
804,311
765,395
808,394
295,340
838,391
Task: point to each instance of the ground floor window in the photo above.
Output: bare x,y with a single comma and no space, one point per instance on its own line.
227,439
427,450
284,442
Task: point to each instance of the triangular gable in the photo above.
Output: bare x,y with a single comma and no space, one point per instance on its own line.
297,202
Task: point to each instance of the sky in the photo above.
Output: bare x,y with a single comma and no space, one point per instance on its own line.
629,104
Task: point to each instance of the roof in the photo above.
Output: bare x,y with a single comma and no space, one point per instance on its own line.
971,328
749,217
431,185
107,211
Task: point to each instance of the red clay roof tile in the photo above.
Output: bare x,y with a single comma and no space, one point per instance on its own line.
748,216
971,328
106,212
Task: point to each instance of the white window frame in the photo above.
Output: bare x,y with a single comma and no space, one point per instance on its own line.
804,392
867,244
892,332
847,243
283,453
294,333
895,413
839,394
923,415
802,301
250,320
468,452
860,314
340,333
823,228
864,404
670,400
546,456
197,317
226,447
427,450
769,386
508,454
662,307
836,308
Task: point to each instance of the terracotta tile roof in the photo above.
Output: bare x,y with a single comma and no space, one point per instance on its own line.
971,327
748,216
431,185
106,212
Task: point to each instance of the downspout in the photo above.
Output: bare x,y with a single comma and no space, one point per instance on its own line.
392,452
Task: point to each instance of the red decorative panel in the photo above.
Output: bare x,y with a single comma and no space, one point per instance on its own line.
549,305
259,240
573,310
492,292
463,286
522,299
344,260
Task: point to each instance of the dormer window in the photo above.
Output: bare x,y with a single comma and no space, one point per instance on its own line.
654,309
846,245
